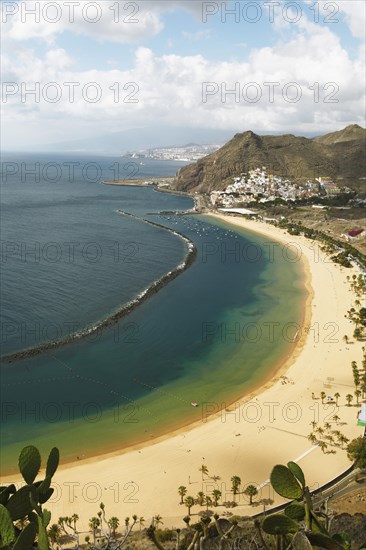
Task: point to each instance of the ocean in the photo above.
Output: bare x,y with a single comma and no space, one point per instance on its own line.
69,259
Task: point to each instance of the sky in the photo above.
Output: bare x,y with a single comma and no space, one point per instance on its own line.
77,74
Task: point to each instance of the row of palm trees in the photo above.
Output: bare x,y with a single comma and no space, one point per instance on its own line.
326,436
213,499
201,500
359,379
328,244
349,397
357,314
358,285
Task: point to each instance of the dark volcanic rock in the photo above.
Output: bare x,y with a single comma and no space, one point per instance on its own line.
354,526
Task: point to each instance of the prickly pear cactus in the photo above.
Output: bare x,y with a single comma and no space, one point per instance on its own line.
285,483
26,538
19,504
279,524
29,463
297,471
26,503
295,511
7,527
52,462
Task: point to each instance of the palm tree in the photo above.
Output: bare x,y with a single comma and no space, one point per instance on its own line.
358,393
314,424
200,498
54,533
337,396
74,518
251,491
93,526
216,493
340,437
215,478
327,426
235,484
336,418
345,338
127,523
158,520
323,446
204,470
320,431
113,523
312,438
323,395
349,398
189,502
141,521
208,501
187,520
363,388
343,440
182,491
356,377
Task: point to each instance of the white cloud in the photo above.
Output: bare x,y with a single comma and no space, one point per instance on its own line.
168,88
122,21
352,12
355,11
117,21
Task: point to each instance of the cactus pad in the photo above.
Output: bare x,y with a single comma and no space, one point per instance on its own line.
52,462
6,527
279,524
295,511
285,483
29,463
297,471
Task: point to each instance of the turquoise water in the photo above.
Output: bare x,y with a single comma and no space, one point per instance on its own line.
204,337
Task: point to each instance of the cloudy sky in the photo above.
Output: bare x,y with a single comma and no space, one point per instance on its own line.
76,71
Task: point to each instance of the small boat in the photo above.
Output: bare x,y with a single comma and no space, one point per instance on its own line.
194,404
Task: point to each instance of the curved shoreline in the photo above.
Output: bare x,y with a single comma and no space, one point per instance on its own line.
160,465
122,311
275,371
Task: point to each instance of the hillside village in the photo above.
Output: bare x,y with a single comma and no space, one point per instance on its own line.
253,193
258,186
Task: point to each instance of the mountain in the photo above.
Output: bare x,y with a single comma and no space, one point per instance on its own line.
339,155
354,132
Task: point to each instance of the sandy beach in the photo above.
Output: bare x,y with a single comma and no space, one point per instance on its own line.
269,426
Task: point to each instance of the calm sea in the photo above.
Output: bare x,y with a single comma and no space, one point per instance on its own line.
69,259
